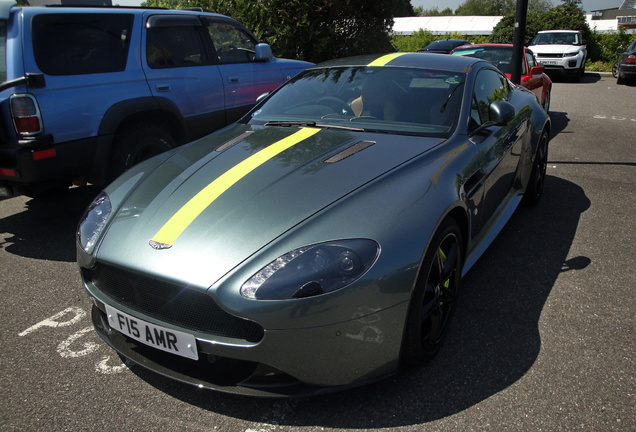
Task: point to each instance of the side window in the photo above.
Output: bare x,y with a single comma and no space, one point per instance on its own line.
232,44
74,44
3,58
174,44
490,86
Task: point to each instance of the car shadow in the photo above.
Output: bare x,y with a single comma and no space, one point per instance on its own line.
587,78
46,228
493,342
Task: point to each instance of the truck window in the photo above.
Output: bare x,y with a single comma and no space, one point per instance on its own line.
75,44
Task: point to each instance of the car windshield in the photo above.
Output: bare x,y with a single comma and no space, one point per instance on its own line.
379,99
556,39
499,56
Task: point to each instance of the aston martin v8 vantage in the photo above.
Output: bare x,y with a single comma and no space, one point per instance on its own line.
319,242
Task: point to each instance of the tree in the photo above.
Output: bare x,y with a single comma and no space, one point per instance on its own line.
313,30
403,8
486,7
420,11
500,7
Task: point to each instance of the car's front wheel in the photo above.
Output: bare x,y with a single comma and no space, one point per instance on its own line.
434,296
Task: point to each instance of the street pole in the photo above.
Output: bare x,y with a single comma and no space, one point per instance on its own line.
519,39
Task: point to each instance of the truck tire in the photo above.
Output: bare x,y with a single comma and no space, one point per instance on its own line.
136,143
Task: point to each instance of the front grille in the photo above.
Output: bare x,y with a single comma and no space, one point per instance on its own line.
555,55
171,303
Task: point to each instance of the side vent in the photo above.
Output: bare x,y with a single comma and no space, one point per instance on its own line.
349,151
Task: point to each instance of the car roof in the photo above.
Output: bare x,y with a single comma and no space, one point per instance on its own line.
559,31
457,64
32,10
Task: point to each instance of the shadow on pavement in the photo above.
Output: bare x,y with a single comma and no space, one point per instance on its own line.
46,229
493,341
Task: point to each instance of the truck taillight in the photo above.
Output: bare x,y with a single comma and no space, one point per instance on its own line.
26,114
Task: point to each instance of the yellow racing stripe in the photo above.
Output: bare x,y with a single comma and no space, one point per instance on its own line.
172,229
382,61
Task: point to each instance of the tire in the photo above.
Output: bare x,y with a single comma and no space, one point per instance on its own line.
434,296
536,183
620,80
546,102
136,143
615,70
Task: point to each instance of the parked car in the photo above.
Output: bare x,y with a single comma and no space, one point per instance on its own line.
627,64
562,52
87,92
443,46
532,73
319,242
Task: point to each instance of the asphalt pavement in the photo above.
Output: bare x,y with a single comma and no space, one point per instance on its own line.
543,340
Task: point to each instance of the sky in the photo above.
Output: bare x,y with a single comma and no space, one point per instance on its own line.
588,5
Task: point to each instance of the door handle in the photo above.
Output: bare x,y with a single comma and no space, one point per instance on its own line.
233,79
162,87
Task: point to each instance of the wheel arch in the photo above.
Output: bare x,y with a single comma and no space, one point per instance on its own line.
158,111
148,109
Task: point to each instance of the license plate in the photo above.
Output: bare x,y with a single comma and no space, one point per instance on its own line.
165,339
549,62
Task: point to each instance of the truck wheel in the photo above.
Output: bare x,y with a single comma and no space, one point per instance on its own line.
136,143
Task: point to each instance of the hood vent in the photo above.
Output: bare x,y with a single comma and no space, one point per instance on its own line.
350,151
233,141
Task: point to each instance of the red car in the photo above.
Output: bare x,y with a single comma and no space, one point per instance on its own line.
532,74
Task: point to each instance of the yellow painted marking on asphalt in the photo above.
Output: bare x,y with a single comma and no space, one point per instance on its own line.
172,229
382,61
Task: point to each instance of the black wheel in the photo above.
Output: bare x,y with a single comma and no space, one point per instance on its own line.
619,79
536,182
434,296
546,102
615,70
136,143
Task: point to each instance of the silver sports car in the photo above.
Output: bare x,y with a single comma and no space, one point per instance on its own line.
319,242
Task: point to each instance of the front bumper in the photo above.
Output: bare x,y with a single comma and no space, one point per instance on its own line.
294,362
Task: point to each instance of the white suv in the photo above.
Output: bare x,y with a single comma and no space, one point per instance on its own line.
561,51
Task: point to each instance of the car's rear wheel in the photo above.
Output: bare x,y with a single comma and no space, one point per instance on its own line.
134,144
546,102
536,182
434,296
615,70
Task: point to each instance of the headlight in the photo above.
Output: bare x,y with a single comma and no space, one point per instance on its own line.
571,54
93,221
312,270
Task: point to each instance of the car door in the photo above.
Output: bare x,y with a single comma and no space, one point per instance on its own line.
534,83
181,71
499,146
244,77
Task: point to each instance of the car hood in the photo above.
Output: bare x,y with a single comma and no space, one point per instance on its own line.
210,206
553,49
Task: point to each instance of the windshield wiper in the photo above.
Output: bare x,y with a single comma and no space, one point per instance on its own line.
286,123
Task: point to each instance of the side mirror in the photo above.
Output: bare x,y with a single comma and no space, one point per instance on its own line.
536,70
262,52
501,112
